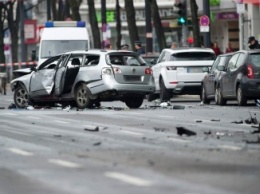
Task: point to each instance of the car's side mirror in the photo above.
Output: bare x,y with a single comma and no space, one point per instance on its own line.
205,69
153,61
221,68
33,69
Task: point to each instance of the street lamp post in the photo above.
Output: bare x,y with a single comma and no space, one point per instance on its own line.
22,41
104,22
149,38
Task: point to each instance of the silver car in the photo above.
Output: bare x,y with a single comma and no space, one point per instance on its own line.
85,78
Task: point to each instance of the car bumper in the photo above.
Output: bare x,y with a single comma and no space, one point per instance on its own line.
185,87
252,88
108,84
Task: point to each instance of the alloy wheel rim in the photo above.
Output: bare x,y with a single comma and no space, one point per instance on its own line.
22,98
82,96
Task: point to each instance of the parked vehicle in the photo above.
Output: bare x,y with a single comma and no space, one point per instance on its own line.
241,81
86,78
150,59
211,79
179,71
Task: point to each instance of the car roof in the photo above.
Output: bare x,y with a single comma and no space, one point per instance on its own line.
98,51
189,49
250,51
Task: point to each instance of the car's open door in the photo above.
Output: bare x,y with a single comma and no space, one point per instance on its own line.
42,80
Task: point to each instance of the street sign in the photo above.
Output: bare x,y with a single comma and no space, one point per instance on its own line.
204,20
240,7
204,28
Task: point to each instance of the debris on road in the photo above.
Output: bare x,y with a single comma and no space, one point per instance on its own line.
237,122
183,131
258,129
29,108
215,120
67,108
178,107
198,121
2,107
208,132
251,120
97,143
57,136
165,104
160,129
12,106
91,128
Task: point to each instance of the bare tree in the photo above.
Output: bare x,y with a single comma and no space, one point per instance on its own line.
130,15
195,22
158,25
74,6
118,25
2,17
94,24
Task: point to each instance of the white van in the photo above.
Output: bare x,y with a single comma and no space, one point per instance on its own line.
62,36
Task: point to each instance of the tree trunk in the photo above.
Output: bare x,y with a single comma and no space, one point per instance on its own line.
132,28
94,24
158,25
2,55
74,6
54,11
118,25
195,22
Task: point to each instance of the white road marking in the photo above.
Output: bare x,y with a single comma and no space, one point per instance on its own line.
228,147
12,114
33,117
20,152
177,140
134,113
61,121
128,179
64,163
132,133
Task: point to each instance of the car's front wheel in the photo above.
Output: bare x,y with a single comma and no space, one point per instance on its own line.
218,97
82,97
241,99
134,102
165,95
21,97
204,98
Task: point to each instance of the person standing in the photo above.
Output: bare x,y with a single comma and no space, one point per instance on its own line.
108,47
229,49
253,43
173,45
216,49
139,48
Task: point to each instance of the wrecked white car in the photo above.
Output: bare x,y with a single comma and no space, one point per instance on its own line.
85,78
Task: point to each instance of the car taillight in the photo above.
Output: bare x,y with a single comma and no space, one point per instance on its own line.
117,70
171,68
250,72
106,71
148,71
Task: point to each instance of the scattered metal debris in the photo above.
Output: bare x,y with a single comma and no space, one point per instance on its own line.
57,136
160,129
2,107
256,131
183,131
67,108
97,143
237,122
178,107
165,104
251,120
91,128
198,121
208,132
29,108
12,106
215,120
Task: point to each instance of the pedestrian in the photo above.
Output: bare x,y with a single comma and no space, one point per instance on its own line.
108,47
215,48
253,43
139,48
125,47
229,49
174,45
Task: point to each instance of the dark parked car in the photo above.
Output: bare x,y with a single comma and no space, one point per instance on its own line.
211,79
241,80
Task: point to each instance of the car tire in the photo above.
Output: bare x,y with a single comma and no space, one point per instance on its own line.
204,98
82,97
21,97
241,99
165,95
219,98
151,97
134,102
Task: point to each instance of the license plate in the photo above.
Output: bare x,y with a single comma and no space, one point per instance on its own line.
194,70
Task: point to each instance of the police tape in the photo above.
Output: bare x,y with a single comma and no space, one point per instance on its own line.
18,64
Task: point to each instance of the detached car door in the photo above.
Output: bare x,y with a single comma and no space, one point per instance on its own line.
42,80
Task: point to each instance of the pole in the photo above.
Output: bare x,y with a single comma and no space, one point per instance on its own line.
104,22
241,34
206,35
48,10
22,46
149,34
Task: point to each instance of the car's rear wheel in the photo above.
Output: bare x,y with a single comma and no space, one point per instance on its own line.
165,95
134,102
204,98
82,97
218,97
241,99
21,97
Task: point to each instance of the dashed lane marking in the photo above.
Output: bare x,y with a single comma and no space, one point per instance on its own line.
132,133
228,147
165,116
64,163
129,179
64,122
20,152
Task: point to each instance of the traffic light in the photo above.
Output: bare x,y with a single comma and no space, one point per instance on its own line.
182,14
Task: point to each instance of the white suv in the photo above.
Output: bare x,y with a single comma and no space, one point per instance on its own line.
179,71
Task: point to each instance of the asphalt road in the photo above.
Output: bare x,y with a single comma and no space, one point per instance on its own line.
117,150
